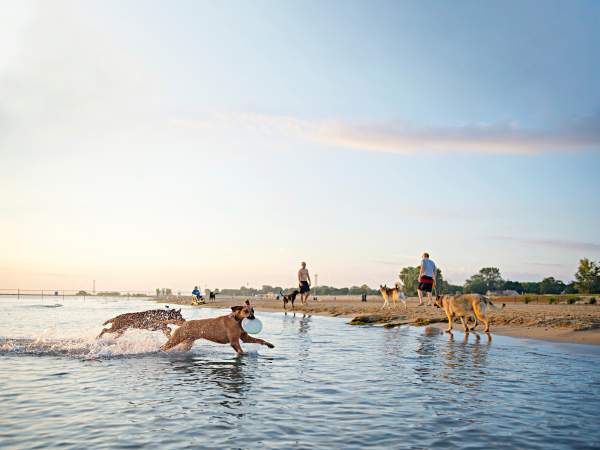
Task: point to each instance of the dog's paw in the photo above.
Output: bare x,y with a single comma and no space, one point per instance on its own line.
268,344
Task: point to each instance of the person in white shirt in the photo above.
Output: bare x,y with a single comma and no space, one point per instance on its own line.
427,274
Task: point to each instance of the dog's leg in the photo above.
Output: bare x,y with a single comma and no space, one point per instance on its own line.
245,337
450,318
237,347
464,324
172,342
186,346
481,314
104,330
475,324
166,331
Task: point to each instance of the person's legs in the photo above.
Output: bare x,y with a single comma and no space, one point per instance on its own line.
420,296
429,299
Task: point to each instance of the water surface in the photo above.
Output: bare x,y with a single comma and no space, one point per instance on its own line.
325,385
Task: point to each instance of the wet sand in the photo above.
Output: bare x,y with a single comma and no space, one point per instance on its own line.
576,323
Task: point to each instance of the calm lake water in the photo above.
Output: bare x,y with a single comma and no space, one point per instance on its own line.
325,385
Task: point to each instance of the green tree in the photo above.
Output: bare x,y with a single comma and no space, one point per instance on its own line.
487,279
410,280
531,287
551,286
587,278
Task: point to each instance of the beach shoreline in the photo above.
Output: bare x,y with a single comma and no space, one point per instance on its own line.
578,324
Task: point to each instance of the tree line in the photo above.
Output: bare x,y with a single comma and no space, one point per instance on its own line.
587,281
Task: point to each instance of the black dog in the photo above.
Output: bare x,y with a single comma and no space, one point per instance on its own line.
289,298
212,296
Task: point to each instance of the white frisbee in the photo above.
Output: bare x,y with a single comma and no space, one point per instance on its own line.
252,326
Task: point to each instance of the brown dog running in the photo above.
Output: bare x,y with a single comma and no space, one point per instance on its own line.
153,320
464,306
223,330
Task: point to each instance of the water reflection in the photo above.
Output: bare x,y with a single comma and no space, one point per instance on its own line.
465,360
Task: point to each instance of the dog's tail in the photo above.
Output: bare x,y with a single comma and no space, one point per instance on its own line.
108,321
488,301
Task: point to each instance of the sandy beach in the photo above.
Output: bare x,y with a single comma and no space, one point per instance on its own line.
576,323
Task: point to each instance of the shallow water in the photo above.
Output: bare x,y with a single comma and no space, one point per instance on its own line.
325,384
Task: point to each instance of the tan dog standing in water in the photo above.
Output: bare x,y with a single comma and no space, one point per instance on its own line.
395,293
465,306
223,330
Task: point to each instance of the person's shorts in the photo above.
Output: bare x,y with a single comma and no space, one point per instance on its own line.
304,287
425,284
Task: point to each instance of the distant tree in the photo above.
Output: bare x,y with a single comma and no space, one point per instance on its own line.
439,281
452,289
487,279
157,292
168,291
570,288
587,278
82,293
531,287
410,279
475,285
551,286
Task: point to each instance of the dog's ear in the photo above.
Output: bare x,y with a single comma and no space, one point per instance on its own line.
247,302
179,310
236,308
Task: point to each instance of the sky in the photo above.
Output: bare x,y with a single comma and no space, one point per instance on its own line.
154,144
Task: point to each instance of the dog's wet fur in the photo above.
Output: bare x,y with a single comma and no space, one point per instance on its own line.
223,330
465,306
153,320
289,298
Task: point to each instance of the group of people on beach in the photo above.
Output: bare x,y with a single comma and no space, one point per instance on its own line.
427,282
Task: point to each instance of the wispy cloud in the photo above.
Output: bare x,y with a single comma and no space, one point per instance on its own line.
403,137
552,243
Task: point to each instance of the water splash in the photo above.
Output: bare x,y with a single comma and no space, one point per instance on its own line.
46,344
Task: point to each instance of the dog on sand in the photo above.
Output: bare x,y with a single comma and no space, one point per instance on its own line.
465,306
223,330
289,298
394,293
153,320
212,296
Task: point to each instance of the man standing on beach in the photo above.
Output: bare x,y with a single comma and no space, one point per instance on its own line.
427,274
304,283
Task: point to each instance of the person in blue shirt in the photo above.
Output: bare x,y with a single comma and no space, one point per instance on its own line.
196,293
427,273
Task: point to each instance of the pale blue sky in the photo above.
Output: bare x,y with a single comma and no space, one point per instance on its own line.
221,143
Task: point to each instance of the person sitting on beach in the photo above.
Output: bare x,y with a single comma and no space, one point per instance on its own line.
427,273
196,293
304,283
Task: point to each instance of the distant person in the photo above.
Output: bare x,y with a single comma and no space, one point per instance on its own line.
196,293
304,283
426,279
